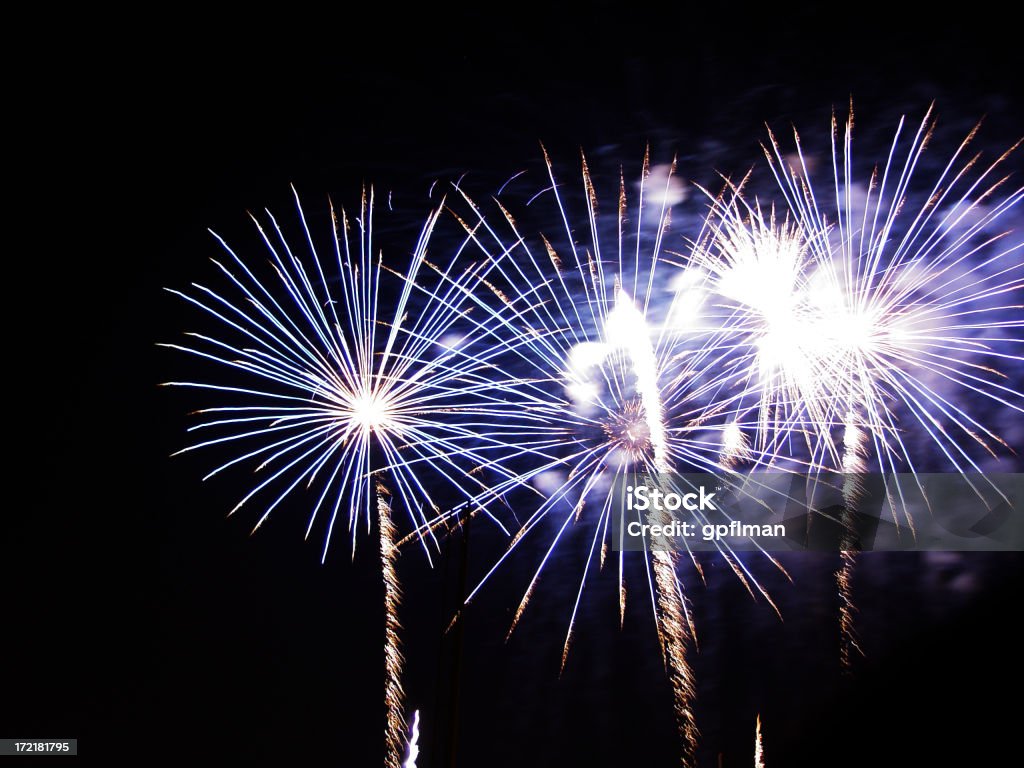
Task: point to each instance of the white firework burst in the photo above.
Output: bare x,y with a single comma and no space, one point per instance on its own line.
351,381
864,319
917,308
609,375
348,373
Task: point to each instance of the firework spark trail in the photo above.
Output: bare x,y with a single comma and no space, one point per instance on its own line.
673,633
394,696
847,629
853,489
628,329
758,748
350,383
735,446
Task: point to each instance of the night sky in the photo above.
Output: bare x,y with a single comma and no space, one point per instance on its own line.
142,621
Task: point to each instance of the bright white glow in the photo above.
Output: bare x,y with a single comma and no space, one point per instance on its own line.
582,393
734,443
763,272
627,329
686,278
586,356
370,412
452,341
851,331
684,312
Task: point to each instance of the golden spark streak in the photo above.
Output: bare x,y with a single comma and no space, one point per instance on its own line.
844,582
674,636
758,748
853,464
628,329
394,696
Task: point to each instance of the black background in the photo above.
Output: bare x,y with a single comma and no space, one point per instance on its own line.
139,618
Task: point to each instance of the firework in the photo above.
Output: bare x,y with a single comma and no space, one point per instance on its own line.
866,313
915,307
911,313
756,269
352,381
607,374
866,318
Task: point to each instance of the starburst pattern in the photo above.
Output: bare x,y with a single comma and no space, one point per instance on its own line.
833,332
353,380
863,318
609,380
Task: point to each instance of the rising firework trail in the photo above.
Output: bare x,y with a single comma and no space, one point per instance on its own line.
394,734
627,329
758,746
346,380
